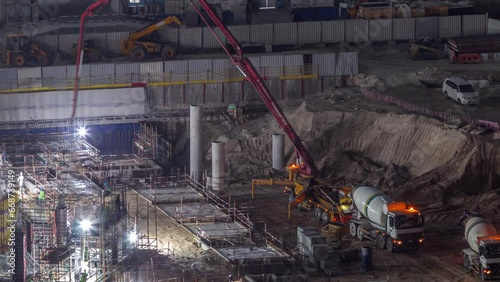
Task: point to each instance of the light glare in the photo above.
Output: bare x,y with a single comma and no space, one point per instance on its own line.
82,131
85,225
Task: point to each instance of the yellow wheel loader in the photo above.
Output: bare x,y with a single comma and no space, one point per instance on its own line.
142,42
20,50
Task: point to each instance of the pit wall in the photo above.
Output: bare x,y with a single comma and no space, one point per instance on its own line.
301,33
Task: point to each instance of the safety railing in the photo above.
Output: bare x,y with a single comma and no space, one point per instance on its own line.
423,110
154,79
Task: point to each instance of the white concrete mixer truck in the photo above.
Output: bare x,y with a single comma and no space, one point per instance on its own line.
393,225
483,254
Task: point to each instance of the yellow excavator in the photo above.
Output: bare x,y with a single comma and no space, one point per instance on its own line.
142,42
20,49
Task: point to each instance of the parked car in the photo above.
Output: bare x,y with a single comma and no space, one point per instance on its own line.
460,90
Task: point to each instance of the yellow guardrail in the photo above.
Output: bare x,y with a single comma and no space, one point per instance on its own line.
164,79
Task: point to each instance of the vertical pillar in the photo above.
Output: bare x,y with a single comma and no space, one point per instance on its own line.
278,151
218,166
195,143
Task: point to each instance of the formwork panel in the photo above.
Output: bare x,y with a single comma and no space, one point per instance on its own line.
427,27
356,31
333,31
309,32
262,34
380,30
285,33
403,29
473,25
450,27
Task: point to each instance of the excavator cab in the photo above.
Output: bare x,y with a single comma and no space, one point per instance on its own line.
20,49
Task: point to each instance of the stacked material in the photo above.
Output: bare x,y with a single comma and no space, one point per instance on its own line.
375,10
432,77
402,11
417,12
475,44
436,11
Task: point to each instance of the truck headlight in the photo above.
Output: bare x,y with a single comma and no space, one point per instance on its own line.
487,271
421,240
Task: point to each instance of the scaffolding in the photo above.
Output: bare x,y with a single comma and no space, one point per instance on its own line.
149,144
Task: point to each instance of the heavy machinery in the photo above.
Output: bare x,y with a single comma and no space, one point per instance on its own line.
483,254
142,42
20,49
352,7
393,225
426,49
90,52
305,188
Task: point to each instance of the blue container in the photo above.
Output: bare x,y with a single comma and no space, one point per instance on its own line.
318,14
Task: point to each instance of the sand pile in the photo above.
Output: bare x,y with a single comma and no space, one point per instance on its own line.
432,77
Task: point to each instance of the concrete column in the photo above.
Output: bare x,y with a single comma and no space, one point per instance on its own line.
278,151
195,154
218,166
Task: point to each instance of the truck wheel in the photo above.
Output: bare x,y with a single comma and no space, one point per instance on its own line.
18,60
325,217
318,213
419,56
446,95
467,263
359,232
353,229
381,241
390,248
138,54
168,53
43,61
429,56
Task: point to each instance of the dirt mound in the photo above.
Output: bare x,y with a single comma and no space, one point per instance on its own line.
432,77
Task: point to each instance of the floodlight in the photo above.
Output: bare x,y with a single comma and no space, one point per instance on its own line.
85,225
82,131
132,237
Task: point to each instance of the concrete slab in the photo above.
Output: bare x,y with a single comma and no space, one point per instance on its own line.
218,230
249,253
171,195
195,212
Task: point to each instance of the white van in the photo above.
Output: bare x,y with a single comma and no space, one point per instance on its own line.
460,90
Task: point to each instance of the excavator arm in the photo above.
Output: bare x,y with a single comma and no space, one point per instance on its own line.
307,166
136,35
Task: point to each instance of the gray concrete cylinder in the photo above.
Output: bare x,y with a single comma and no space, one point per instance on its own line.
218,166
278,151
195,154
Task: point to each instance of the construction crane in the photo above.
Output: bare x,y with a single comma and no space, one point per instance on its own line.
88,12
326,198
138,45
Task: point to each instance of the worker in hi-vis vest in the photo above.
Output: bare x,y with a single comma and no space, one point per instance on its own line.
41,196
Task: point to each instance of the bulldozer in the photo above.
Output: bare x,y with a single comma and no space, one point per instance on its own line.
425,49
90,52
20,50
143,42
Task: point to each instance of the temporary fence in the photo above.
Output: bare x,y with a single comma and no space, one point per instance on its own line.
426,111
322,32
208,71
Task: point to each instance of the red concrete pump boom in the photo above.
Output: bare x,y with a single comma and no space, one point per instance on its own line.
88,12
244,65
